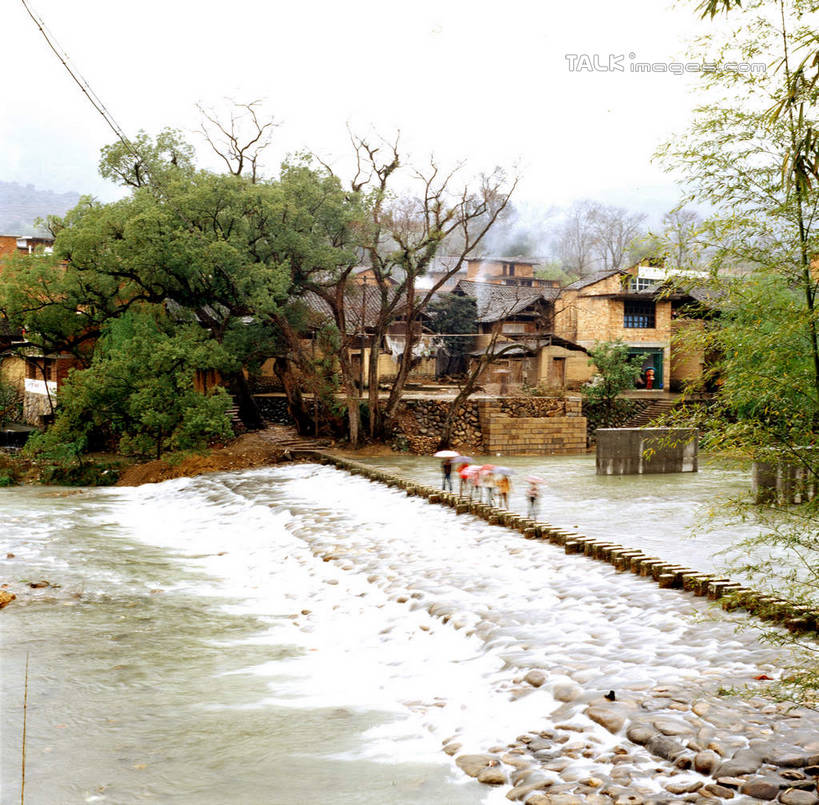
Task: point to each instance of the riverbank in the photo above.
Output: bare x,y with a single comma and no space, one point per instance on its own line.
249,451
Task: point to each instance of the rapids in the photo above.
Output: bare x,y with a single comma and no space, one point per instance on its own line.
299,635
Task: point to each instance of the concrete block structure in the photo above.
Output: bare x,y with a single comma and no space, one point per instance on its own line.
640,451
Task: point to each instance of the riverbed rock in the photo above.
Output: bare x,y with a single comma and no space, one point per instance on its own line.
492,775
639,733
608,717
759,788
452,749
520,792
793,796
717,790
672,726
473,765
687,786
6,598
535,678
567,692
792,758
745,761
664,747
706,761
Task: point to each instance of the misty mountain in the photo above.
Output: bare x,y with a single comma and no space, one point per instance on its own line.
21,204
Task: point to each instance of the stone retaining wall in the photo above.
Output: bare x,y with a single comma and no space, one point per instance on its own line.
530,436
509,425
730,595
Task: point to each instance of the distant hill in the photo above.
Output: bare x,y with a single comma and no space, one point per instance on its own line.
21,204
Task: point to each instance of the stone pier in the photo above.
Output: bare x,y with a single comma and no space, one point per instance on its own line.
638,451
730,595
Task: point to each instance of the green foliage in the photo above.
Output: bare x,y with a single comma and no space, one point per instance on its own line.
616,372
751,155
452,313
11,403
138,393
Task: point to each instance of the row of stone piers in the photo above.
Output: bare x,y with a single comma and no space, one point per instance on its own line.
729,594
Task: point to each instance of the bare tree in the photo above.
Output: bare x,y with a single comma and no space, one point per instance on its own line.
240,139
403,234
596,237
613,230
574,245
680,236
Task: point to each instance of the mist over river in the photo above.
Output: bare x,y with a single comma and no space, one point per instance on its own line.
296,634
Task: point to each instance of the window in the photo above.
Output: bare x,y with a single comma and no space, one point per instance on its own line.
638,314
640,283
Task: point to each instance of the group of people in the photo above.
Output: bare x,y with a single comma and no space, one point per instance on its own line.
488,481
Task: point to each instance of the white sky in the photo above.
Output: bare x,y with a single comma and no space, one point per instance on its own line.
486,82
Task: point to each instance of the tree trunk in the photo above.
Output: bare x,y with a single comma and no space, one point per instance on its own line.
248,410
295,401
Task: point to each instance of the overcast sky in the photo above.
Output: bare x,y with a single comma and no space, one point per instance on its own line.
486,82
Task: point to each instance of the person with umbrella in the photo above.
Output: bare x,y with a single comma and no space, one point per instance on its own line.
503,484
486,480
446,467
532,494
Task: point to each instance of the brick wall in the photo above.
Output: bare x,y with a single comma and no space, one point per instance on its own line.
539,436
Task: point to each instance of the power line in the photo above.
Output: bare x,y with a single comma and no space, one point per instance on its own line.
81,82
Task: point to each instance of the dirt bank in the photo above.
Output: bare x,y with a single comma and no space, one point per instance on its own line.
248,451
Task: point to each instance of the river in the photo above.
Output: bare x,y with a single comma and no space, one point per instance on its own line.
299,635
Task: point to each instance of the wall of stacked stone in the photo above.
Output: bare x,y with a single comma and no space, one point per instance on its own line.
539,436
514,425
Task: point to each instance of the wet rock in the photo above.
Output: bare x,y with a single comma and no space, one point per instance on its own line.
564,799
795,797
6,598
520,792
744,761
792,759
473,765
628,799
452,749
759,789
535,678
730,782
536,744
639,734
705,762
492,775
516,761
792,774
664,747
539,799
716,790
37,584
567,692
608,717
701,708
687,786
672,726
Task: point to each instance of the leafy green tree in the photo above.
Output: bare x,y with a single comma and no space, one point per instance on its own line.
751,155
450,314
139,393
11,403
616,372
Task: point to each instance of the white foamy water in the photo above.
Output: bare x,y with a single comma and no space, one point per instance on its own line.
297,634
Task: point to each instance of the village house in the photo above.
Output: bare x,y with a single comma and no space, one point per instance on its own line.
36,375
521,318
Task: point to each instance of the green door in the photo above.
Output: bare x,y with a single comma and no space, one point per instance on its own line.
652,359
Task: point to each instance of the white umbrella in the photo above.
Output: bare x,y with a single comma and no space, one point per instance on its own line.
446,454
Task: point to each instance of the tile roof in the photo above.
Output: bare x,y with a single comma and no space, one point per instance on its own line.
590,279
496,302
